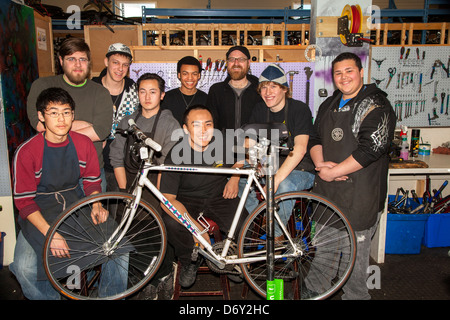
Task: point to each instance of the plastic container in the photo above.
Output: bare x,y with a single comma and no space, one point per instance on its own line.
405,233
437,231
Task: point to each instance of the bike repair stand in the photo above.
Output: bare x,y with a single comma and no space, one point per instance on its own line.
274,286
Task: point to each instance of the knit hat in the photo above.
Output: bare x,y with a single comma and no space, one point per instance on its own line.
274,73
242,49
119,48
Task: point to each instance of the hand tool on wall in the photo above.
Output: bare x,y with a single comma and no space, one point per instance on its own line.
224,70
308,73
392,72
209,67
402,51
448,67
407,53
222,63
442,101
446,109
216,68
435,99
418,55
291,81
420,83
378,62
377,81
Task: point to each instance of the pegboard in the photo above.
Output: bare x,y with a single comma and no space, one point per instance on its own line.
168,71
419,87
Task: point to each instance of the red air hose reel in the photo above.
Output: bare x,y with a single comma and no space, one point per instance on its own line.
349,26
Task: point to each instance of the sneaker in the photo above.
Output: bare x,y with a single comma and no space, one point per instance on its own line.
188,273
165,287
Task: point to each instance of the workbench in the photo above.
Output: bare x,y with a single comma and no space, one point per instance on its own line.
410,179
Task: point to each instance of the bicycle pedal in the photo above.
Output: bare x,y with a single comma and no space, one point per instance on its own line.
194,255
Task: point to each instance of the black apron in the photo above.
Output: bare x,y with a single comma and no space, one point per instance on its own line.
358,196
58,188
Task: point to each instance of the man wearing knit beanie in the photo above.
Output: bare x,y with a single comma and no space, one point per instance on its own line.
233,99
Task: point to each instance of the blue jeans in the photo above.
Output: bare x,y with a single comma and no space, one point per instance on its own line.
296,181
25,270
113,279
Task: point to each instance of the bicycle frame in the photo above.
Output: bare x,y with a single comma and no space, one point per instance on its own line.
222,259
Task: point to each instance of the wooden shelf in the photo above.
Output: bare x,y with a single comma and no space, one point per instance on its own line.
158,54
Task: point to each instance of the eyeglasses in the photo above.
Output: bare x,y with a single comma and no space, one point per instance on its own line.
55,114
74,60
234,60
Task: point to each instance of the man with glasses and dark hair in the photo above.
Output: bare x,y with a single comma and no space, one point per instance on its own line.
46,175
94,113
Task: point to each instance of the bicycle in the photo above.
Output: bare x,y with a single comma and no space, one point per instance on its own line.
317,248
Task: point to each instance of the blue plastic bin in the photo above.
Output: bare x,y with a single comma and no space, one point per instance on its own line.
405,233
437,231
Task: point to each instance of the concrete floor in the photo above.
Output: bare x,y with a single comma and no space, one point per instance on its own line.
424,276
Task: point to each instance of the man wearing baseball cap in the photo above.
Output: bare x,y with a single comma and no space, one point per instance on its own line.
123,95
232,101
296,170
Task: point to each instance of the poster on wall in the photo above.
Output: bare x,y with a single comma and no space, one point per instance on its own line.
417,81
18,67
299,76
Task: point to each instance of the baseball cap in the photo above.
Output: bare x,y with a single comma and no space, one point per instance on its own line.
119,48
274,73
242,49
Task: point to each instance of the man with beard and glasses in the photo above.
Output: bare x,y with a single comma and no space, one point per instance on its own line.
232,102
94,113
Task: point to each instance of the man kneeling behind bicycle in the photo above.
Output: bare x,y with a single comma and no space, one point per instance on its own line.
195,193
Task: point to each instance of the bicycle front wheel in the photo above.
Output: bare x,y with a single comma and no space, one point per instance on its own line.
320,233
104,261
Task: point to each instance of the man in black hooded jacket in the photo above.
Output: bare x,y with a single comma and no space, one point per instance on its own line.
353,132
231,103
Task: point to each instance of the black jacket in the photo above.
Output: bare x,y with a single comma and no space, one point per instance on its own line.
363,128
229,110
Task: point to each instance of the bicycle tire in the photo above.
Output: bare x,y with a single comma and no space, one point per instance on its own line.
328,250
94,271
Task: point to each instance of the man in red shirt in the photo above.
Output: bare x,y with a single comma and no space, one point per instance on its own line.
47,170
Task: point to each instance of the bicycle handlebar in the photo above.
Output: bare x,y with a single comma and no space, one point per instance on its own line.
141,136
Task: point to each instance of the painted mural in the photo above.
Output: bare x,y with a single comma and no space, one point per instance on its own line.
18,68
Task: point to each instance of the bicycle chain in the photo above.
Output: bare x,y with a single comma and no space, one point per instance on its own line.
229,268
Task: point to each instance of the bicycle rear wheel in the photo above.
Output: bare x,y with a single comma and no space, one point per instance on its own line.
322,233
96,269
